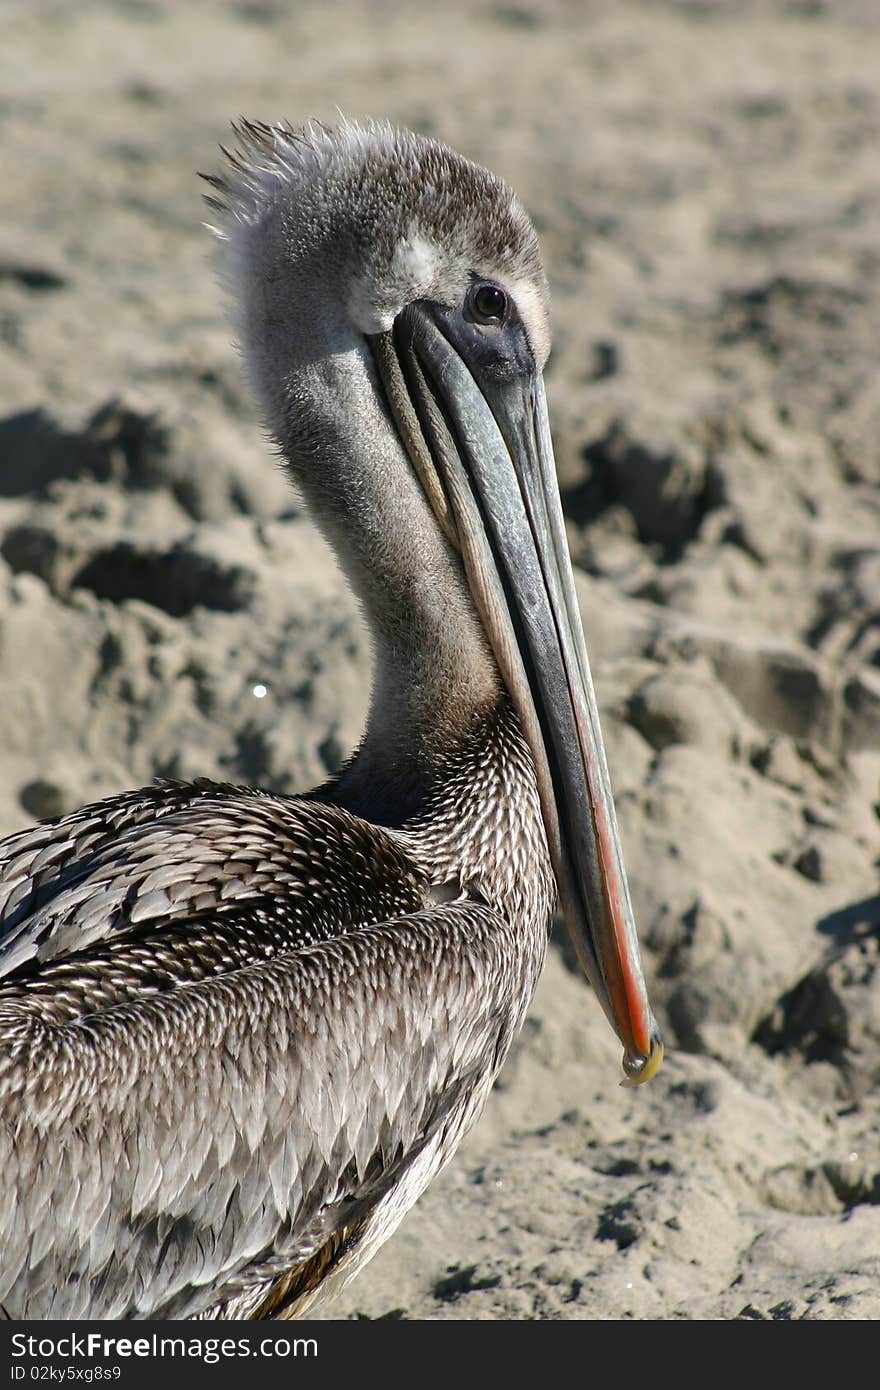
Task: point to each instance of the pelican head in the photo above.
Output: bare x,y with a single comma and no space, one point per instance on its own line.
392,311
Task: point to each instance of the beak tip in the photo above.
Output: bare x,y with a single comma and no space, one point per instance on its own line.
638,1067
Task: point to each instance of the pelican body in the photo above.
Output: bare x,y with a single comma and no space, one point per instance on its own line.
240,1032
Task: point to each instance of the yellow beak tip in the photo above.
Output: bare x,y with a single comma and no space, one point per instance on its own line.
638,1069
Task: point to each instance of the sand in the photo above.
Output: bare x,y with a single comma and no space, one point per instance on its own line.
705,181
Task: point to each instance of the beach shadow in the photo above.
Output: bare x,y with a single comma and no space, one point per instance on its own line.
858,919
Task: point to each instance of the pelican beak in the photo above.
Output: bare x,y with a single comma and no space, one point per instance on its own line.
480,442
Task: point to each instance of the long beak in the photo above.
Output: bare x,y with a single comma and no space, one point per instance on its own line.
484,456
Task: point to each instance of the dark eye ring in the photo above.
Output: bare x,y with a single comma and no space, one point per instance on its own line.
487,304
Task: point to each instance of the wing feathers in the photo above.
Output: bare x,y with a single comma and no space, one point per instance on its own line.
226,1068
283,1158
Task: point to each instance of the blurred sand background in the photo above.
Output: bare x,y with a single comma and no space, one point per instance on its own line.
706,183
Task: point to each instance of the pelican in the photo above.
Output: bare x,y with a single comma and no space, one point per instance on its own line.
241,1032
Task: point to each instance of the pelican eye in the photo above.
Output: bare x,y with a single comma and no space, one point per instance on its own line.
487,304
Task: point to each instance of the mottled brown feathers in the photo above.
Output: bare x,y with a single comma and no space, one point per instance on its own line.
204,1109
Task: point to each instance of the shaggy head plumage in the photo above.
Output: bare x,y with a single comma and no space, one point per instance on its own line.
390,216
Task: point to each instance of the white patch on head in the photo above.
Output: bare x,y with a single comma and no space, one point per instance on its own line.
365,312
532,308
411,275
416,260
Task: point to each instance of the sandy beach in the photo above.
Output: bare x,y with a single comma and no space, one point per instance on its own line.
705,180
